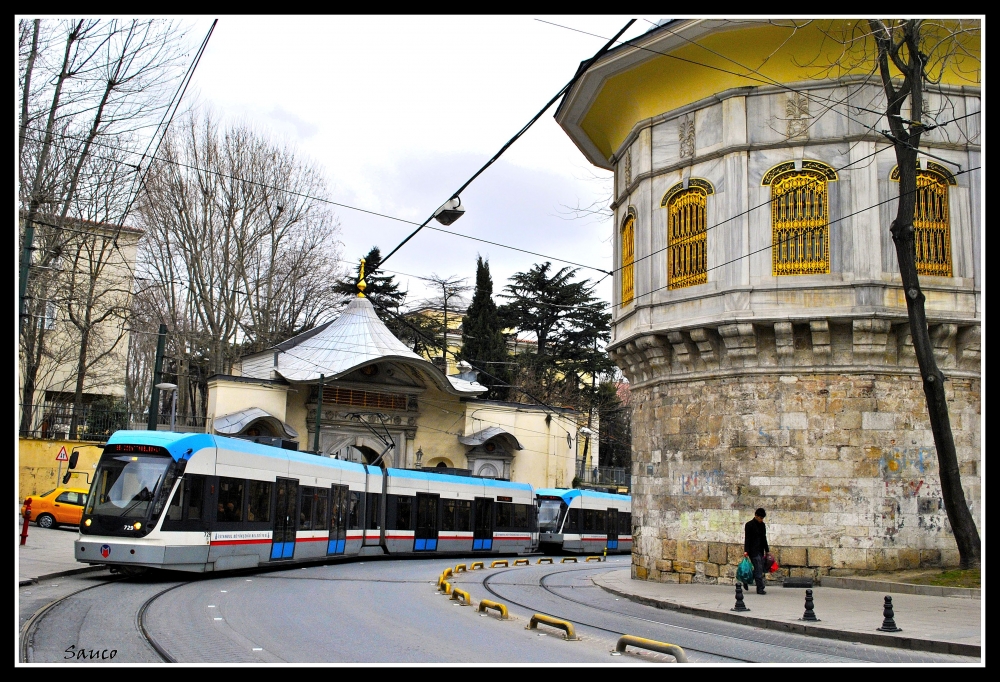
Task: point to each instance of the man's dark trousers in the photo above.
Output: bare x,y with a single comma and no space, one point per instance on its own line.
758,571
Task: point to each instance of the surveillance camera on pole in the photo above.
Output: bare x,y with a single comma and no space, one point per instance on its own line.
449,211
586,432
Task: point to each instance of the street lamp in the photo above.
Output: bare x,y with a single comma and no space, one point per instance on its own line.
173,404
449,212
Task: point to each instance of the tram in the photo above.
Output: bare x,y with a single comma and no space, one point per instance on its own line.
199,502
583,521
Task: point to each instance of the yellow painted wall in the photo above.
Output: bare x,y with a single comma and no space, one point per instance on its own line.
440,422
226,397
38,470
296,413
778,53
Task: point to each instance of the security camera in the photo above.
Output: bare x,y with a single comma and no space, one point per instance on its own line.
587,433
449,211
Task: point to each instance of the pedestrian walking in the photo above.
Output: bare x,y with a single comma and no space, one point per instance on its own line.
755,545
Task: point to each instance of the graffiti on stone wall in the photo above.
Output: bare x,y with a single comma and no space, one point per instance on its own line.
898,463
700,482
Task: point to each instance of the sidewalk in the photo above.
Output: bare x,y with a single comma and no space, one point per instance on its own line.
48,553
929,623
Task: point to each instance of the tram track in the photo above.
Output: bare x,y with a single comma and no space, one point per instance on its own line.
695,631
31,625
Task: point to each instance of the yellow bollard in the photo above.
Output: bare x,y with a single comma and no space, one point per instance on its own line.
445,587
521,562
592,558
497,606
461,568
554,622
568,558
499,562
652,645
545,560
459,595
478,564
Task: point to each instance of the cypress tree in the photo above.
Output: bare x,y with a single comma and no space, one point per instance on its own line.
483,342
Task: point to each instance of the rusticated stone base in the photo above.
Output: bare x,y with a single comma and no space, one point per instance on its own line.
844,464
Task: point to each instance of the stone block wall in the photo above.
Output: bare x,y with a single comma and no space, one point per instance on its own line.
843,461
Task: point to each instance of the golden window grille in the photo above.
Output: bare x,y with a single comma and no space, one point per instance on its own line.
800,225
931,225
355,398
628,260
687,260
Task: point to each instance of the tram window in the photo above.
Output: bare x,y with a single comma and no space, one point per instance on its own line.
194,494
320,507
624,523
354,502
573,521
521,516
259,506
505,516
404,512
230,499
463,515
306,508
448,514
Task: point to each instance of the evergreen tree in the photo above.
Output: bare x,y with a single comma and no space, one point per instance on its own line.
382,290
568,323
483,342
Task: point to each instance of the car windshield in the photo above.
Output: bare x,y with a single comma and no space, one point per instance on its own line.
124,485
548,516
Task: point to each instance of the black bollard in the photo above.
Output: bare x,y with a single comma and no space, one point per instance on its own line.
809,614
740,606
889,623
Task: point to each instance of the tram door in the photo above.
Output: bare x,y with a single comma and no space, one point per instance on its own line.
482,535
338,519
425,539
612,525
286,519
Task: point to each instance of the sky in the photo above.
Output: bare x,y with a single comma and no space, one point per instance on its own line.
400,111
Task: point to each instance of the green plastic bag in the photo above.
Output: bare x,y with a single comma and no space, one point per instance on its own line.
744,572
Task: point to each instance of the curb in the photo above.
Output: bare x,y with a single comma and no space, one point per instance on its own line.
877,639
61,574
900,588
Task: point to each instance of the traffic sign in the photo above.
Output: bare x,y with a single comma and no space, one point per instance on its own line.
62,456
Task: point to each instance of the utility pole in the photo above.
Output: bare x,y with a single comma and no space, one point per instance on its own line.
154,396
319,413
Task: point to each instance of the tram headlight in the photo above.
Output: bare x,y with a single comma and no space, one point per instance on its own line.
88,522
138,525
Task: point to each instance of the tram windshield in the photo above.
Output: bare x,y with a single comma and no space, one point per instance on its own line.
125,485
548,516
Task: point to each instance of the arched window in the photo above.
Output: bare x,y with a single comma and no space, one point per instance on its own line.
628,258
931,225
931,222
687,259
800,222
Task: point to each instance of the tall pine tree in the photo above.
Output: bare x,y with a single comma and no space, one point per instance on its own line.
483,342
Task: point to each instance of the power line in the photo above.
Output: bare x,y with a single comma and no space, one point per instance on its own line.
565,88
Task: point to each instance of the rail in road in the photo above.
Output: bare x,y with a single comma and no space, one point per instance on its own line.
124,607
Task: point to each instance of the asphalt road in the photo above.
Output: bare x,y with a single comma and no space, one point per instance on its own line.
388,611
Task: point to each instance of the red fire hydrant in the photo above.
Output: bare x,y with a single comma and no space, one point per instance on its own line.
27,517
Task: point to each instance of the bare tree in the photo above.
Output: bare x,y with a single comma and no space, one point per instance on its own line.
451,298
239,251
87,88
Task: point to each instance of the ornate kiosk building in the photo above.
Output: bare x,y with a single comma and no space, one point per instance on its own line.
758,310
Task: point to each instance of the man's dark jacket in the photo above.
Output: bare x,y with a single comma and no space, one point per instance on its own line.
755,538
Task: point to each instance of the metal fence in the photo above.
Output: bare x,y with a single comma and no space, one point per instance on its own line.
609,476
54,421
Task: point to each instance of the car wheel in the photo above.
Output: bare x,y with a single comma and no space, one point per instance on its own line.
46,521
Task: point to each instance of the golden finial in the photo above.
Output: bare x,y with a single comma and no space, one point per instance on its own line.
361,280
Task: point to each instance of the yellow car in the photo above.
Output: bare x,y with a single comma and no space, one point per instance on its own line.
62,505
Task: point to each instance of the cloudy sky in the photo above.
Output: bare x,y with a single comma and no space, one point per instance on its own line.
400,111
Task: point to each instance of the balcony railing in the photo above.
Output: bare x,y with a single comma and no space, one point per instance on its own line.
54,421
620,477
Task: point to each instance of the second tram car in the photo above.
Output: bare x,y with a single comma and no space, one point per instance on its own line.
198,502
583,521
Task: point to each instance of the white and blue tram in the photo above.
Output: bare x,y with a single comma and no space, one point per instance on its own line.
583,521
198,502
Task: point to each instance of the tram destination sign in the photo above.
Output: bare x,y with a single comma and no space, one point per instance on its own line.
135,449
